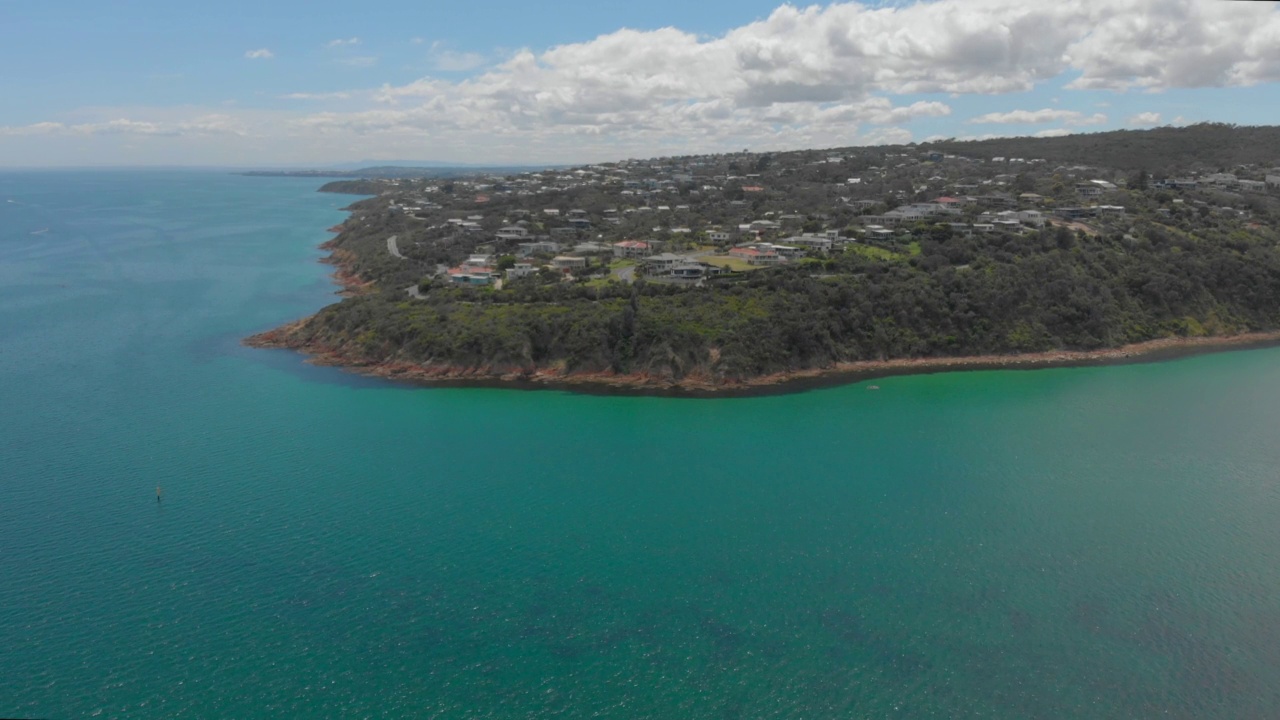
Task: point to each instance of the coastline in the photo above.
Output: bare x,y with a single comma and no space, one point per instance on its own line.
700,385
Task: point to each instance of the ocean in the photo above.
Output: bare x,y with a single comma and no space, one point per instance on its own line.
1086,542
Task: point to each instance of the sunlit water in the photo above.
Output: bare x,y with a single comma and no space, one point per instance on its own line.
1069,543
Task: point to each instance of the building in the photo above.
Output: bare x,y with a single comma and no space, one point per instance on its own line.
757,256
568,262
662,263
539,247
821,243
521,270
512,232
475,270
1034,218
632,249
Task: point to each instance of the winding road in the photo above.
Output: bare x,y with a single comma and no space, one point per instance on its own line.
393,248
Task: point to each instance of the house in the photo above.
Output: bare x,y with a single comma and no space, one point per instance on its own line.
475,270
1074,213
553,212
1252,185
1117,210
662,263
568,262
718,236
756,256
752,189
789,252
1034,218
521,270
632,249
564,232
591,248
1088,190
540,247
1273,182
512,232
812,242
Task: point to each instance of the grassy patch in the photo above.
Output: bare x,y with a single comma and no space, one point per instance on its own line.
878,253
733,263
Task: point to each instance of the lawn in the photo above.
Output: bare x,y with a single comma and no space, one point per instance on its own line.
733,263
875,253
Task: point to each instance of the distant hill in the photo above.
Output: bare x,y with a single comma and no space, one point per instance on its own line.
1167,150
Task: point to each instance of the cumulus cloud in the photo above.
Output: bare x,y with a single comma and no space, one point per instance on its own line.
1037,117
1146,119
820,75
1055,132
343,43
259,54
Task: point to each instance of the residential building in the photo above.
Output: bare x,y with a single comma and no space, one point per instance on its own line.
632,249
756,255
521,270
539,247
568,262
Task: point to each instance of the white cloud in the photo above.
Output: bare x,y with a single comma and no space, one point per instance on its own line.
1055,132
343,43
446,60
1036,117
1145,119
821,75
260,54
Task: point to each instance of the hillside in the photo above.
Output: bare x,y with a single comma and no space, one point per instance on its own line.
1072,263
1164,151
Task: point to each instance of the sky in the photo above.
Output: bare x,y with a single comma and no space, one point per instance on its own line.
286,83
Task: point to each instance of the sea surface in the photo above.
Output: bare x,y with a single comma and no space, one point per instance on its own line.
1084,543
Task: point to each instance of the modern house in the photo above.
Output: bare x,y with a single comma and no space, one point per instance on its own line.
757,256
521,270
632,249
539,247
568,262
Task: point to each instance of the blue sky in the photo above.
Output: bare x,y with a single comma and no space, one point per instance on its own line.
293,83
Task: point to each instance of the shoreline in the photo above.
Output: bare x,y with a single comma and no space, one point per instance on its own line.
702,386
696,386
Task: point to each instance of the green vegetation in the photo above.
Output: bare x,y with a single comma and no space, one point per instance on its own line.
1040,292
1170,263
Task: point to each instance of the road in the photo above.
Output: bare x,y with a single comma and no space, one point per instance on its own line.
393,248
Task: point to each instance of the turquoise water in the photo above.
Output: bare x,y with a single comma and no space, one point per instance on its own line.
1100,543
